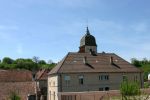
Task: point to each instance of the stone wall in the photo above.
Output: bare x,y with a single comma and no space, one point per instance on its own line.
21,88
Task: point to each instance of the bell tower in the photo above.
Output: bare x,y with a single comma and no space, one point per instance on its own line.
88,43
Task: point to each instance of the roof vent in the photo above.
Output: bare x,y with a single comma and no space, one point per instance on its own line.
85,60
111,60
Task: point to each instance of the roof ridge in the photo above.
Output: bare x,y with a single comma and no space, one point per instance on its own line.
57,68
63,60
41,74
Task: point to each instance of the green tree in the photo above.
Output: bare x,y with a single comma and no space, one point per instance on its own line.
25,64
35,59
128,89
136,62
42,62
7,60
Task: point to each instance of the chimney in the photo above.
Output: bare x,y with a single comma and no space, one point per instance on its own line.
111,60
85,60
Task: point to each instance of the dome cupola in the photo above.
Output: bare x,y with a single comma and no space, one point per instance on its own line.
88,42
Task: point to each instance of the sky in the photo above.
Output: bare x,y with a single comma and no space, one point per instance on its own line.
49,29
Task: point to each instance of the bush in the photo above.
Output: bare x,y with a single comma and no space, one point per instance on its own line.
14,96
146,85
129,88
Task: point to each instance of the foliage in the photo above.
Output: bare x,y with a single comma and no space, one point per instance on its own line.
129,88
7,60
146,85
143,64
21,63
41,62
139,63
35,59
14,96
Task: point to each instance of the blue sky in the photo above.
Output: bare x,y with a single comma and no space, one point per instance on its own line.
50,29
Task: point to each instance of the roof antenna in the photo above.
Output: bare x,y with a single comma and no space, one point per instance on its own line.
87,29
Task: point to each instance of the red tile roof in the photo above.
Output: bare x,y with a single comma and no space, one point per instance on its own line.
102,62
15,75
42,74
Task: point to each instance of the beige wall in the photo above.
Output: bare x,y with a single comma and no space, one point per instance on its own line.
53,87
91,82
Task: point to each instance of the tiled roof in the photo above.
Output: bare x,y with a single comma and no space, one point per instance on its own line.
42,74
101,62
15,75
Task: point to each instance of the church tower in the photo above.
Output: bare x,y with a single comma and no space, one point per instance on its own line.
88,43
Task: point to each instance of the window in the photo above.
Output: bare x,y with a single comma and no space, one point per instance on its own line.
67,80
125,78
104,77
106,88
81,80
100,89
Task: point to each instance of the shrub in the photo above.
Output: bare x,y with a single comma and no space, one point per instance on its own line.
129,88
14,96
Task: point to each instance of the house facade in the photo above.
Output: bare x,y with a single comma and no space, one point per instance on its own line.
88,70
41,79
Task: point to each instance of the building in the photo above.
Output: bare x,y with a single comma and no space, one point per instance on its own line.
16,81
41,78
88,70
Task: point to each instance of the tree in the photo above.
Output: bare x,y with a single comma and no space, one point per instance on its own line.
136,62
145,61
41,62
128,89
35,59
50,61
7,60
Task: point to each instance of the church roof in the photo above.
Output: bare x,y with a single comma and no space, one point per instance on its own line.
88,39
85,62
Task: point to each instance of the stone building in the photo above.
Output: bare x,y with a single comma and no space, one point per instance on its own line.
16,81
88,70
41,79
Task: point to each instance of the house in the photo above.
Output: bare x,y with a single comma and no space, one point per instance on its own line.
41,78
16,81
88,70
